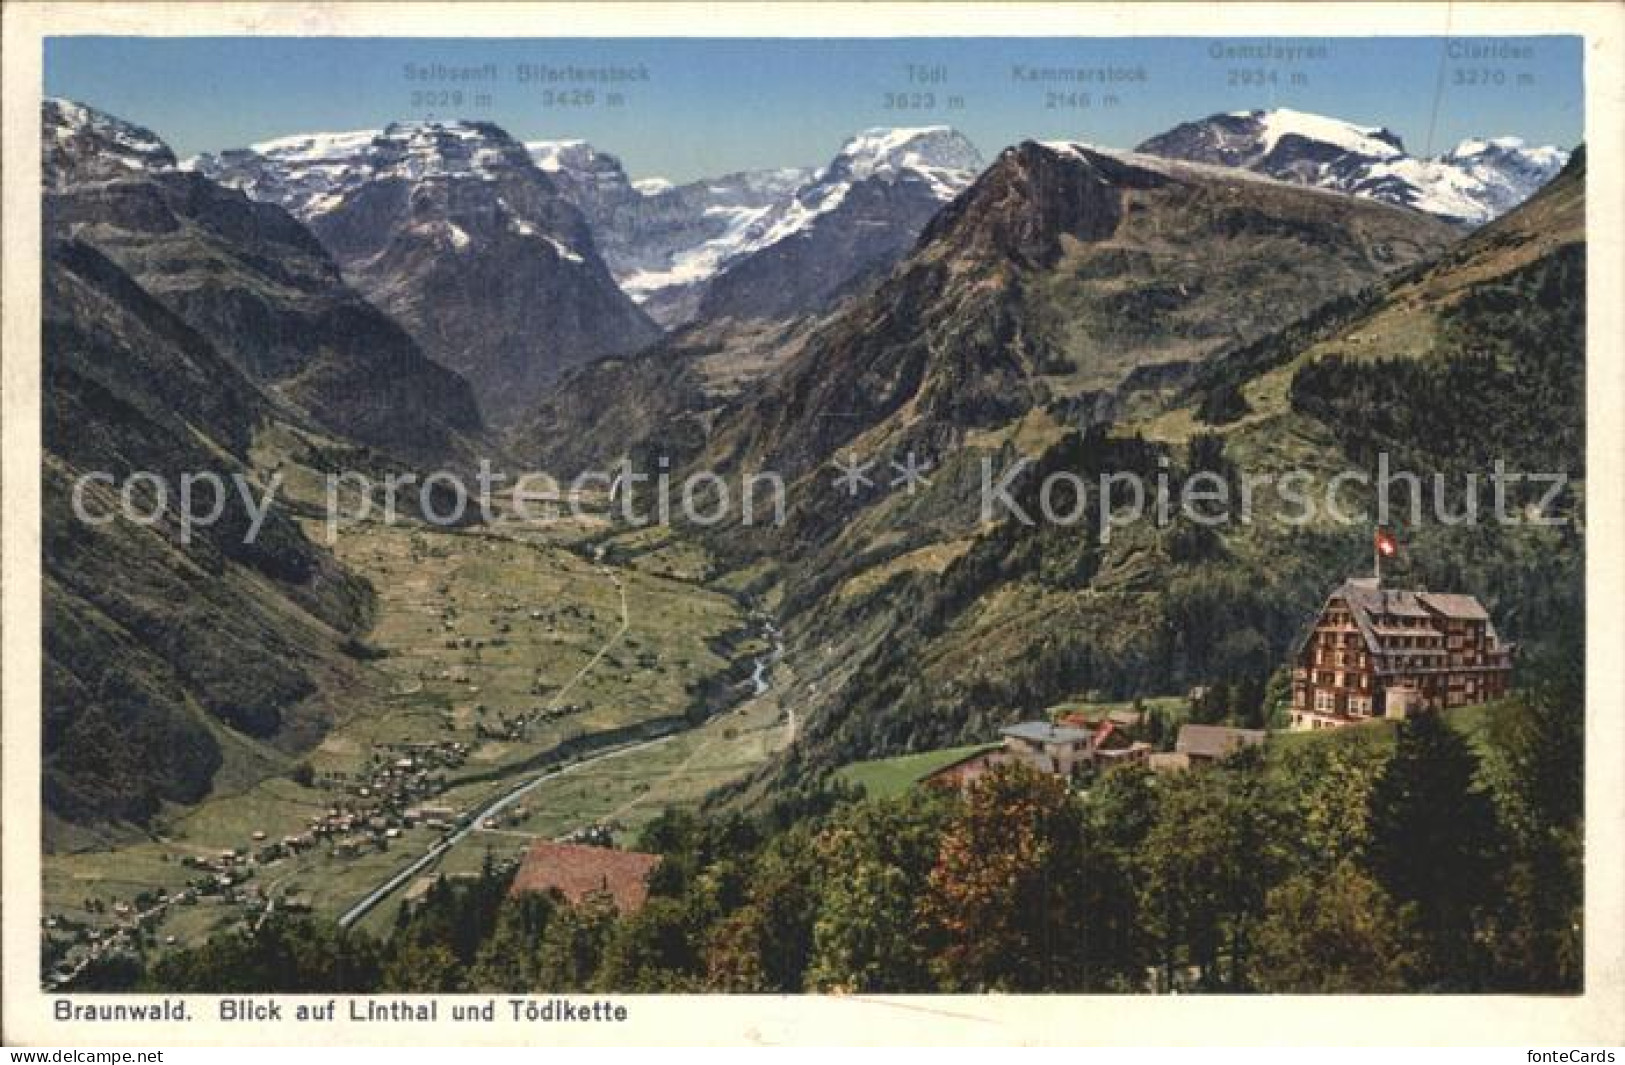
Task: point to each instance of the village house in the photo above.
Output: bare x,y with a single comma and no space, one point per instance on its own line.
1064,749
1199,745
1380,652
1210,743
1057,749
1048,748
418,892
581,872
1112,746
963,772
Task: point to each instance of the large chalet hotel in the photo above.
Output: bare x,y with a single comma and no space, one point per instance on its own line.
1381,652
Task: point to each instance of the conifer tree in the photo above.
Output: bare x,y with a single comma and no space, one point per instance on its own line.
1434,843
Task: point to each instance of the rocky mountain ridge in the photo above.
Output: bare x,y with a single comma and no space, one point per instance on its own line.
254,282
454,232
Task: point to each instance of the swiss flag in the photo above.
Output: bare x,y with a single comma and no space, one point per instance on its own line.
1387,546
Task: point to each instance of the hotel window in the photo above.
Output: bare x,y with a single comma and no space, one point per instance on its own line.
1360,705
1325,702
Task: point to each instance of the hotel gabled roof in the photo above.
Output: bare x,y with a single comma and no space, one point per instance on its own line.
1368,601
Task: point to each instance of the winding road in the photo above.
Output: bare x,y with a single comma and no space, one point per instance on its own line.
508,798
472,823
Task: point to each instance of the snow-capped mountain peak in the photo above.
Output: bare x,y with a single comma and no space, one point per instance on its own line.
417,150
1475,146
938,155
452,228
1511,150
593,180
666,242
1278,142
854,217
553,156
310,173
1476,181
317,148
307,173
1280,124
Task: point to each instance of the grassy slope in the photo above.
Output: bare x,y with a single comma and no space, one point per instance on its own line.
171,667
1024,616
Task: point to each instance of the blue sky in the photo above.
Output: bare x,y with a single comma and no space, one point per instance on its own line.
709,106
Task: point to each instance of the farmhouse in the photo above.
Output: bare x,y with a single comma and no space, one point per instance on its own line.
1111,746
1381,652
580,872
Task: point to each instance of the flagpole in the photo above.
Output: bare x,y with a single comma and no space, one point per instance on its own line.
1376,556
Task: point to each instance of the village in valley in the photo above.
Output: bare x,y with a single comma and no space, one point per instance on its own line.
496,706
